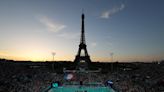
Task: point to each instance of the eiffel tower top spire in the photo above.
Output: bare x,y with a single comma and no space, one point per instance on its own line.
82,40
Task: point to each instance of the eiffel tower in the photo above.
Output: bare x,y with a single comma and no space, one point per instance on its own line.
82,55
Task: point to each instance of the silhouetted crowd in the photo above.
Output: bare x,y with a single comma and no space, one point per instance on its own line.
146,77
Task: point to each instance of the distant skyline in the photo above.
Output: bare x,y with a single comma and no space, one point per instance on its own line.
133,30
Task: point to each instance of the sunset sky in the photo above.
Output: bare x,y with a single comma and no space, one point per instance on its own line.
131,29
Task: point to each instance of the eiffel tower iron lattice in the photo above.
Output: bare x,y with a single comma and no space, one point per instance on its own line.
82,55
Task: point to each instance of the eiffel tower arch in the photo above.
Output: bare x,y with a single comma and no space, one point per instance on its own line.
82,56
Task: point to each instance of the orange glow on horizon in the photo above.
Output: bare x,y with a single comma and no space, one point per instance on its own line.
47,56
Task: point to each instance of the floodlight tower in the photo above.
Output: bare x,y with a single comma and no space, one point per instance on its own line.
53,55
111,54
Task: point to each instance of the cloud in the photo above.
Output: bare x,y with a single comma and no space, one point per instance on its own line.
69,35
51,25
114,10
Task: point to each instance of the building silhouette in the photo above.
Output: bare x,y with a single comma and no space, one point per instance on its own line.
82,58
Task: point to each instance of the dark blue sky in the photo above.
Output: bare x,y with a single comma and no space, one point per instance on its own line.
131,29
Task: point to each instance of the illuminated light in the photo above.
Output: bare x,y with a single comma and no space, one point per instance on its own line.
55,84
109,82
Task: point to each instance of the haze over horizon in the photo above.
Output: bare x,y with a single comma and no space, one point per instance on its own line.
32,30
